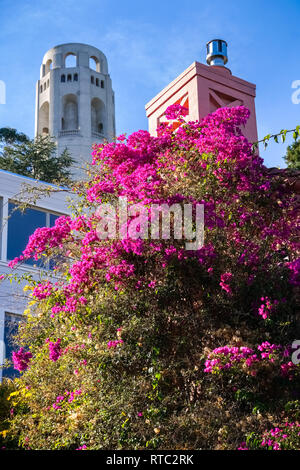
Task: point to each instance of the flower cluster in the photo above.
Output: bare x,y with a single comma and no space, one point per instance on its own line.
275,438
227,357
225,279
42,290
294,267
285,437
21,359
55,350
267,307
175,111
68,397
114,343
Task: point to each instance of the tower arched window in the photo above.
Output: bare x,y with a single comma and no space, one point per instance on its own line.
102,83
97,116
43,118
97,81
70,112
69,78
70,60
75,77
92,79
48,66
41,89
63,78
45,86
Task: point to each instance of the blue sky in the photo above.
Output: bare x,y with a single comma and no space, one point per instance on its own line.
148,44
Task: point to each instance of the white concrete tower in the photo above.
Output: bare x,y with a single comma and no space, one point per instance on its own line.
75,101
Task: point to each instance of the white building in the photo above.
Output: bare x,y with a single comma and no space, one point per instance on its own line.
75,101
16,230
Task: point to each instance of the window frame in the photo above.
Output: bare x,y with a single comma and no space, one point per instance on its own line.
3,352
47,213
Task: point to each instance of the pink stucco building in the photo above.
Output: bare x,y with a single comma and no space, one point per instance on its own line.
204,88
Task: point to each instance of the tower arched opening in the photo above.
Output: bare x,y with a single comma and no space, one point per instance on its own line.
48,66
70,113
94,64
70,60
97,116
44,118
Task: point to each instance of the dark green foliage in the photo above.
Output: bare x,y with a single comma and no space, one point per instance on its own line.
34,158
292,157
12,136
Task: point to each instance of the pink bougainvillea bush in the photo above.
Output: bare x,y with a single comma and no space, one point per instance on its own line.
141,343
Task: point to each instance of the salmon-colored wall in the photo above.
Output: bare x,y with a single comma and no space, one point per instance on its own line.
204,89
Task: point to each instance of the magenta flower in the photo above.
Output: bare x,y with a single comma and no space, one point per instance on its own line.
55,350
175,111
21,359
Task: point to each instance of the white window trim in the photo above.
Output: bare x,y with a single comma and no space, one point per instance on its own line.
3,311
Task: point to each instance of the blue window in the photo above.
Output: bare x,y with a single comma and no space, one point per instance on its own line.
53,218
11,325
21,225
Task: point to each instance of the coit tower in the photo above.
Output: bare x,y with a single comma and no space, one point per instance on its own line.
74,101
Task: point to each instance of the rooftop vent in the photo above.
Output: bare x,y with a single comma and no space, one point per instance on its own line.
217,52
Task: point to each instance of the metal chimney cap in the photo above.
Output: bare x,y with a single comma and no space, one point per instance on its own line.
213,40
217,52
